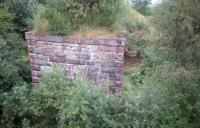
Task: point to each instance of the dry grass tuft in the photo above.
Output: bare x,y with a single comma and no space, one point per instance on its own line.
93,31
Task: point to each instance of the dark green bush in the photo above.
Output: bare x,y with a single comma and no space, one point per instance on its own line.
64,16
21,11
169,93
142,6
58,102
13,55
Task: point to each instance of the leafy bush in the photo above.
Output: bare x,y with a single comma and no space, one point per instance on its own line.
64,16
138,30
6,21
142,6
171,96
79,104
58,102
21,12
168,92
13,57
185,40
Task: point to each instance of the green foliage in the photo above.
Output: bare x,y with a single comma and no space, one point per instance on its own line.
162,93
58,102
13,55
6,21
21,13
169,90
142,6
167,82
15,105
172,94
137,29
13,59
133,80
64,16
181,33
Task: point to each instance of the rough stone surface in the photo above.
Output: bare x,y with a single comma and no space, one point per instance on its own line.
99,58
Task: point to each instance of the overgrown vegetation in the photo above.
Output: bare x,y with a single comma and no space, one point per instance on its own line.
13,56
65,16
14,64
138,30
169,74
161,92
58,102
142,6
21,12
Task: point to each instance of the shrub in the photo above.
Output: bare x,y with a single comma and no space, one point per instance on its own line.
21,11
76,103
6,21
58,102
142,6
64,16
13,59
138,29
15,105
169,94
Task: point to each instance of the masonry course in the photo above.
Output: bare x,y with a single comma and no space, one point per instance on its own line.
100,58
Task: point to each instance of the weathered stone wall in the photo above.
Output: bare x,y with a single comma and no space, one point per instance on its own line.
99,58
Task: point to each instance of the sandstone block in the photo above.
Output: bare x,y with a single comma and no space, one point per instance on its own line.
100,58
